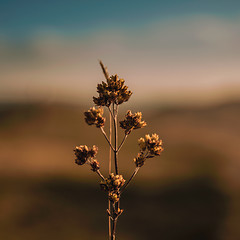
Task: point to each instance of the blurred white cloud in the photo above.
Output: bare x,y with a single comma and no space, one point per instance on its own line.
172,59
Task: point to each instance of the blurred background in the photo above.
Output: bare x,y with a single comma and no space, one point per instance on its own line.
180,59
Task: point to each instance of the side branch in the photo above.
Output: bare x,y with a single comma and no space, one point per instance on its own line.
105,135
100,175
111,112
130,179
120,146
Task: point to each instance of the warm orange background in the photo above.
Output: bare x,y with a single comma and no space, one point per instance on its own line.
182,63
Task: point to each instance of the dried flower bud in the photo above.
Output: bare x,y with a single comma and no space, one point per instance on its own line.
118,212
113,197
112,183
150,146
139,160
154,145
112,91
95,165
94,116
83,153
132,121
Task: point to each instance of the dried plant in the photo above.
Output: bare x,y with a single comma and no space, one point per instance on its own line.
111,94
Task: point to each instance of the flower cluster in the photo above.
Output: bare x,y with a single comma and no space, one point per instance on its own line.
113,197
132,121
140,159
94,116
112,91
112,185
95,165
150,146
84,153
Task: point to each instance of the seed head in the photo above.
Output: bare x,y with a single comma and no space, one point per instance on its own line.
139,160
154,145
150,146
83,153
112,91
132,121
113,197
94,117
112,183
95,165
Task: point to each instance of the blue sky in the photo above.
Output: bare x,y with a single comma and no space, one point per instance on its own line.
175,50
22,18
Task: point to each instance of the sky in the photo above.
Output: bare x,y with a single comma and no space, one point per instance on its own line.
169,51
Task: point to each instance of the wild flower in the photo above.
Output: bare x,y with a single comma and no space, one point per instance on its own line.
111,94
112,91
94,117
95,165
113,197
149,147
84,153
112,183
132,121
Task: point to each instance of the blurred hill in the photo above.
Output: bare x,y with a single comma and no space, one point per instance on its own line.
196,178
39,139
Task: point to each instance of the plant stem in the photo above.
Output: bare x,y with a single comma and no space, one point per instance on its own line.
115,205
105,135
113,221
130,179
115,139
110,149
114,225
109,172
101,176
111,112
120,146
112,115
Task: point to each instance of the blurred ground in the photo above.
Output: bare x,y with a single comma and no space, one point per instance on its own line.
191,192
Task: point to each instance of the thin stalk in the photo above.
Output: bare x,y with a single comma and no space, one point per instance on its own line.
110,148
106,74
98,171
114,225
109,172
113,117
120,146
116,205
105,135
111,112
130,179
115,139
101,176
